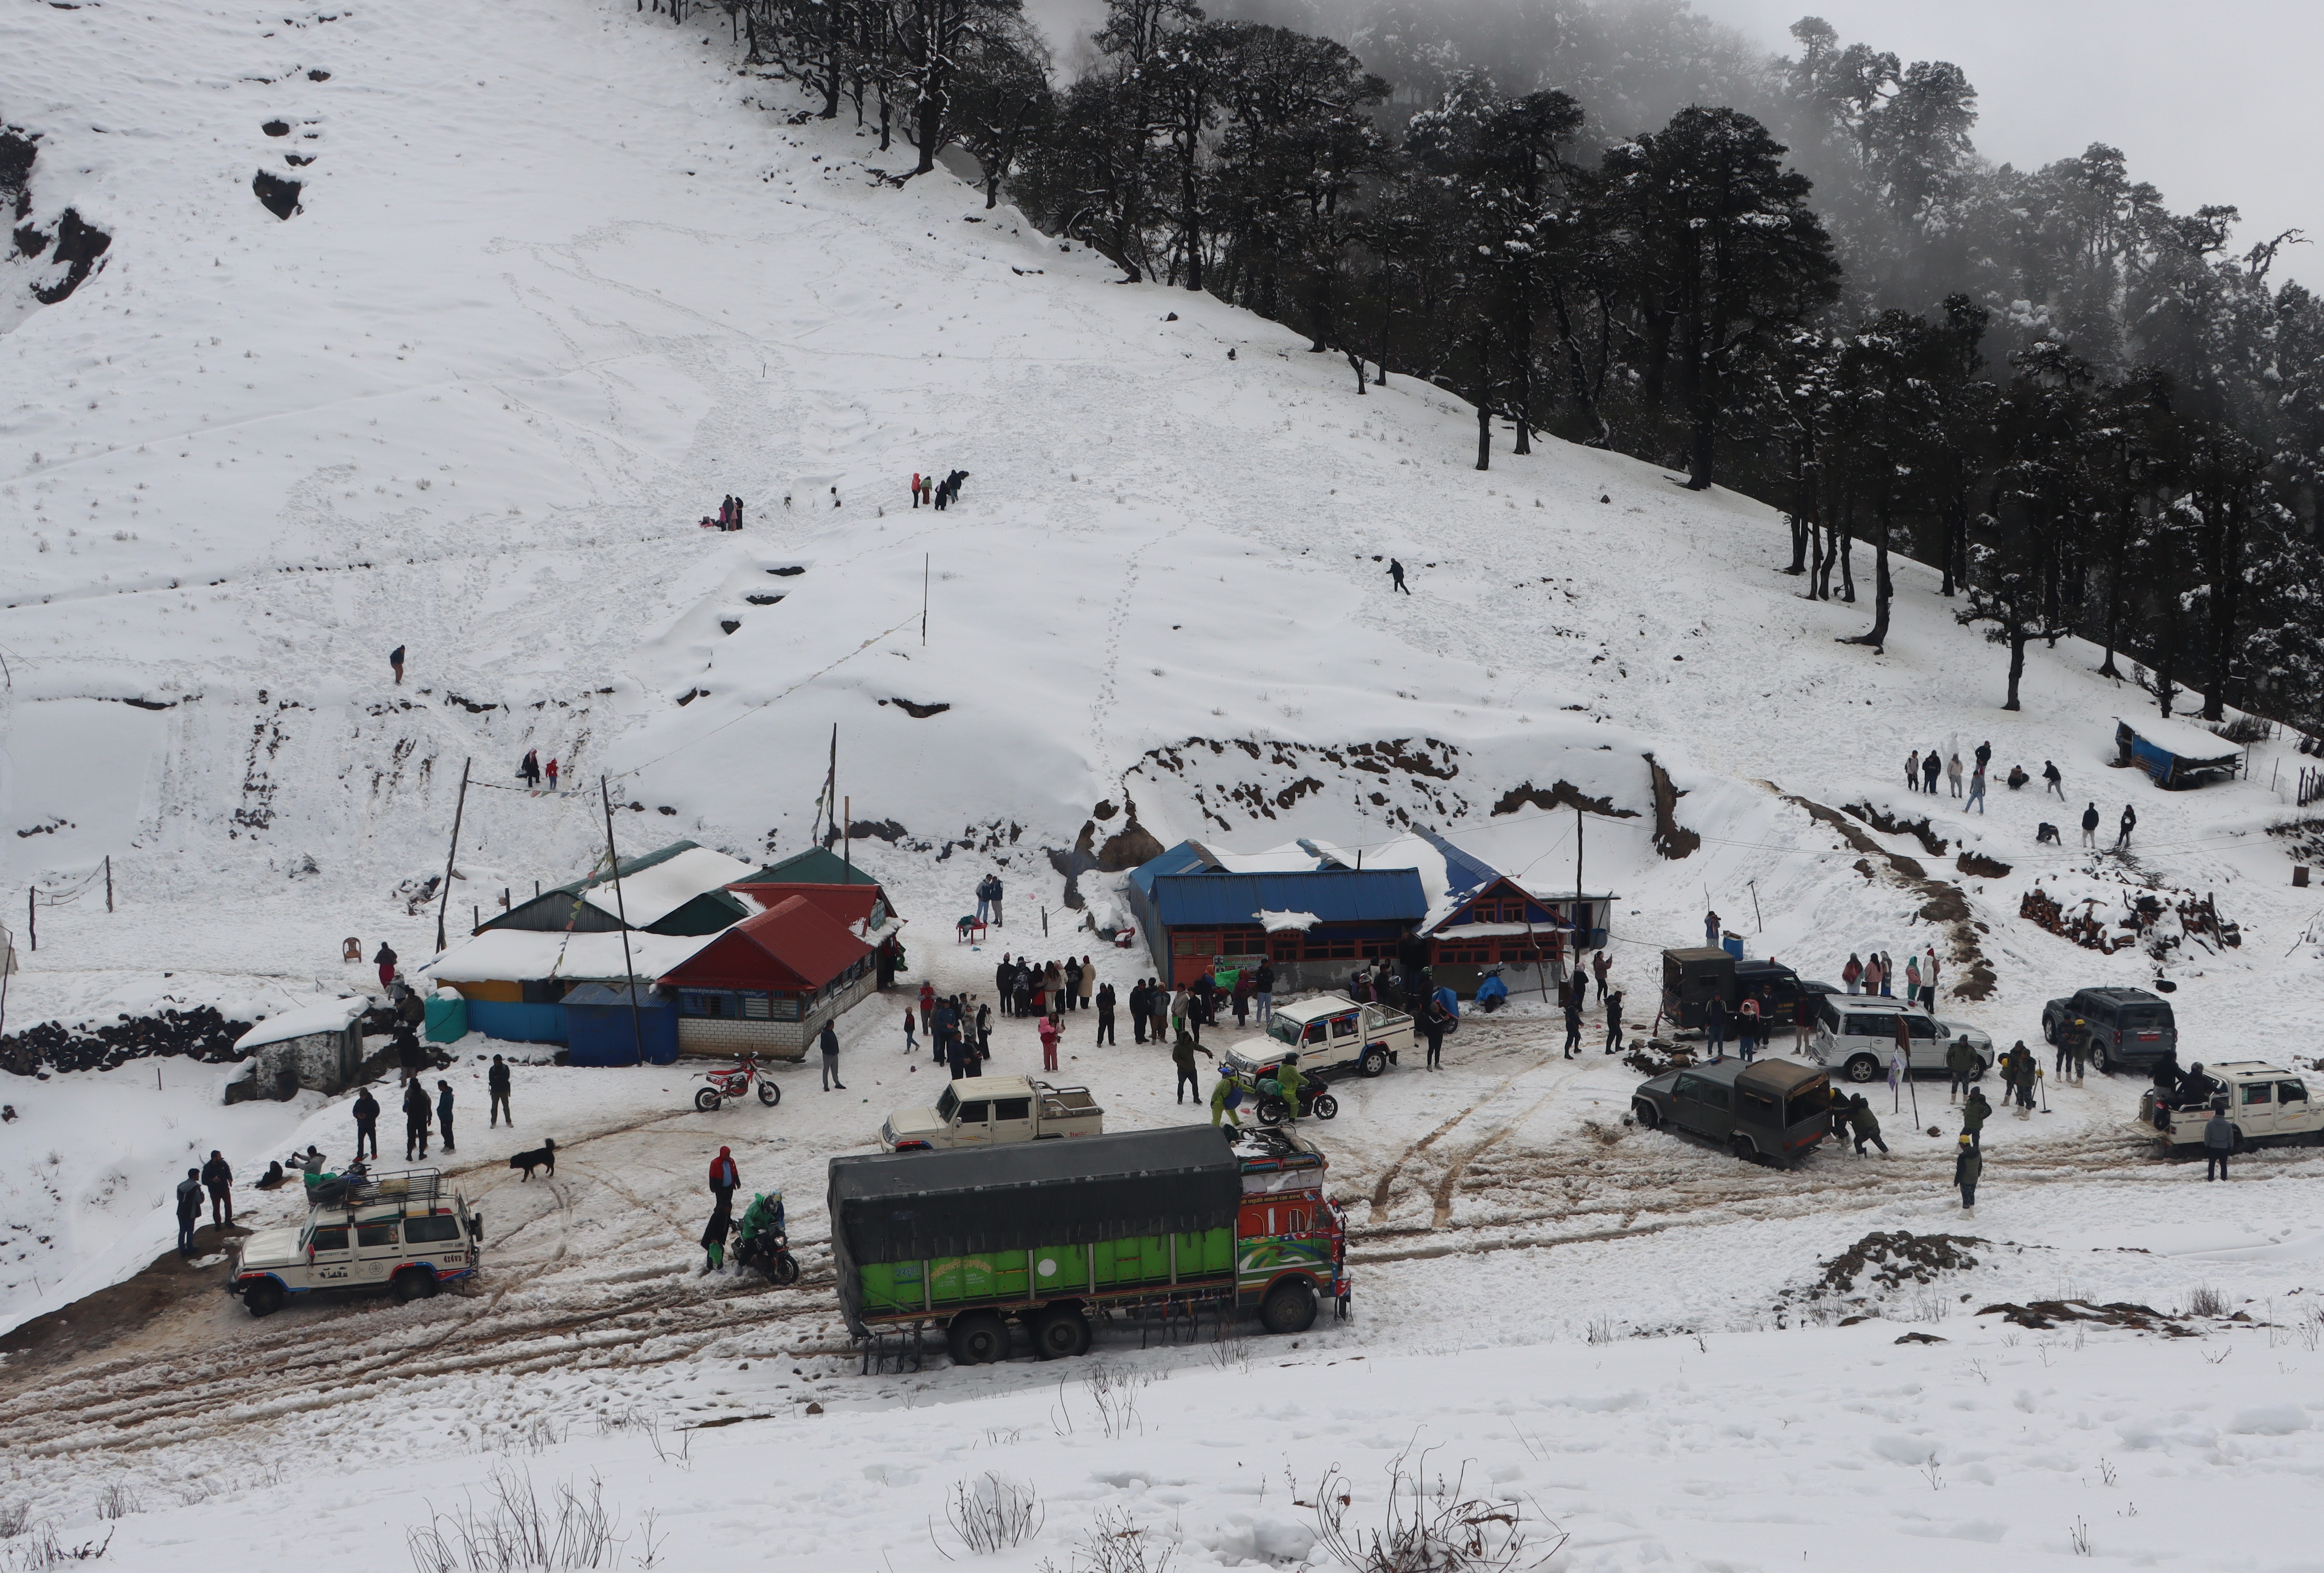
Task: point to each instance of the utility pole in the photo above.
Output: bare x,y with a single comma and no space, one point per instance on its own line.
444,904
108,881
1580,906
924,600
33,917
846,841
613,862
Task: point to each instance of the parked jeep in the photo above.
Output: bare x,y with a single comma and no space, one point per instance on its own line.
1770,1110
2121,1029
979,1111
1335,1037
1855,1033
2269,1106
401,1234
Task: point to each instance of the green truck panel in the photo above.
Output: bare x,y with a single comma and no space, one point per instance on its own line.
1045,1272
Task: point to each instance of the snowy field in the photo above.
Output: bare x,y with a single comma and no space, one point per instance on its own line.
562,277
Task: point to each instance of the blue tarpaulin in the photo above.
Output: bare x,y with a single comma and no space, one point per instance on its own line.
597,1020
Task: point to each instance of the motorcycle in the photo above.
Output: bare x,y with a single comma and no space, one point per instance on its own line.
1313,1103
734,1083
770,1254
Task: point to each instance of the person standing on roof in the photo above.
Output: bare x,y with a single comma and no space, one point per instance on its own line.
1395,577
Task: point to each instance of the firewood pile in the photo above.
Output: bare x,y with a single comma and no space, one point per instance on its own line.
2081,926
1658,1056
199,1034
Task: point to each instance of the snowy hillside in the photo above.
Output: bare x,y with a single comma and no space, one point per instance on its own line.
558,277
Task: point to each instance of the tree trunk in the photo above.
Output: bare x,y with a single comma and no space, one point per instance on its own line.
1357,361
2017,662
1522,365
1848,557
2113,618
1484,400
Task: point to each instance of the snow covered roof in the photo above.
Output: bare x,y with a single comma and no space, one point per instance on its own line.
1280,922
505,954
652,891
323,1016
2189,743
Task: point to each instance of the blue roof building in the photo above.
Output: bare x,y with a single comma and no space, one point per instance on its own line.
1196,906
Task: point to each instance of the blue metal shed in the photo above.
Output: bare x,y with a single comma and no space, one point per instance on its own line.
599,1031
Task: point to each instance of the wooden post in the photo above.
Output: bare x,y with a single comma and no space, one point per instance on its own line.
613,862
1581,905
108,881
32,919
924,600
444,903
846,841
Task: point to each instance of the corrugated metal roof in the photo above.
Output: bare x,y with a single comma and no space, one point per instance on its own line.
795,944
1333,894
814,866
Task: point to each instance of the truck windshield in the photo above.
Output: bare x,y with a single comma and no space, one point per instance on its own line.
1283,1030
946,1104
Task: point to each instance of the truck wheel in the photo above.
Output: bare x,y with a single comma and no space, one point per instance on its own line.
1863,1068
707,1100
2098,1058
1745,1150
2049,1031
1290,1307
1648,1116
1271,1110
1060,1332
977,1338
415,1283
768,1093
264,1298
1325,1107
1374,1063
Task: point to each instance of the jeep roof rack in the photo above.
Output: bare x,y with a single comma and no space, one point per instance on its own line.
404,1188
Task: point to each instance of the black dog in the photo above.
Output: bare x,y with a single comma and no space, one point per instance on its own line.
542,1156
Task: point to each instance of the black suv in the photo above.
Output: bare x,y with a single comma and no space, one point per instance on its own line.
2123,1028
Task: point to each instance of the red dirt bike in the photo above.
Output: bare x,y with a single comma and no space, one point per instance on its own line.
735,1083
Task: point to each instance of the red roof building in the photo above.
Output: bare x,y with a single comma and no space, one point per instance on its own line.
767,985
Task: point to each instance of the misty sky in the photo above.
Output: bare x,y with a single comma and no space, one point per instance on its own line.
2213,102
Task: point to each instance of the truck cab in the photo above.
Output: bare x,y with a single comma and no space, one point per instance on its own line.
2268,1106
978,1111
1334,1037
402,1234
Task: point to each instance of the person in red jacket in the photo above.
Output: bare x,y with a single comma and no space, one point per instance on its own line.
927,1007
723,1178
915,488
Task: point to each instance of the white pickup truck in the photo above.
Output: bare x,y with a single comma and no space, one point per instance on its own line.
2268,1104
1335,1038
979,1111
398,1234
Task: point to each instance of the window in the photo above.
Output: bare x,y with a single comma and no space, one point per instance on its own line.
1705,1091
1827,1016
1012,1108
1343,1026
2259,1092
702,1002
1193,945
785,1008
946,1101
334,1238
1872,1026
369,1235
1336,948
1295,1220
431,1230
754,1006
1286,946
1922,1026
2291,1092
974,1112
1283,1030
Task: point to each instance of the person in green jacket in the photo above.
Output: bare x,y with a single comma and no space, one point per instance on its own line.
1225,1098
1288,1082
1866,1123
1974,1114
1967,1167
1961,1061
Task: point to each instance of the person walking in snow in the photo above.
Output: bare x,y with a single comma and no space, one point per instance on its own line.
828,1042
366,1113
725,1177
1976,792
549,775
1953,774
714,1237
1089,980
1073,983
1226,1097
1961,1065
915,488
444,1112
529,772
1746,1028
2218,1144
1433,1021
189,1210
1804,1010
2129,823
218,1181
1912,980
1395,577
1105,998
496,1083
1912,771
1572,1025
2090,825
1600,966
385,962
2053,781
416,1120
395,663
1181,1055
1929,978
1048,1030
1984,755
1968,1165
1975,1112
1614,1022
927,1007
1157,1001
911,1044
1711,930
1930,765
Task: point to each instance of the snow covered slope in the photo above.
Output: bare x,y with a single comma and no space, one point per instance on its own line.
560,277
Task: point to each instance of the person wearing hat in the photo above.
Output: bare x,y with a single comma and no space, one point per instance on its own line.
1225,1099
723,1178
1969,1164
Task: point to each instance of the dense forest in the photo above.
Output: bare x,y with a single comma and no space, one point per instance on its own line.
1793,276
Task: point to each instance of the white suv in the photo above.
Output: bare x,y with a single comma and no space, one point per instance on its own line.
1855,1033
400,1233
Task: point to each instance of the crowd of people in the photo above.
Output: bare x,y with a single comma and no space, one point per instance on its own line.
1877,974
